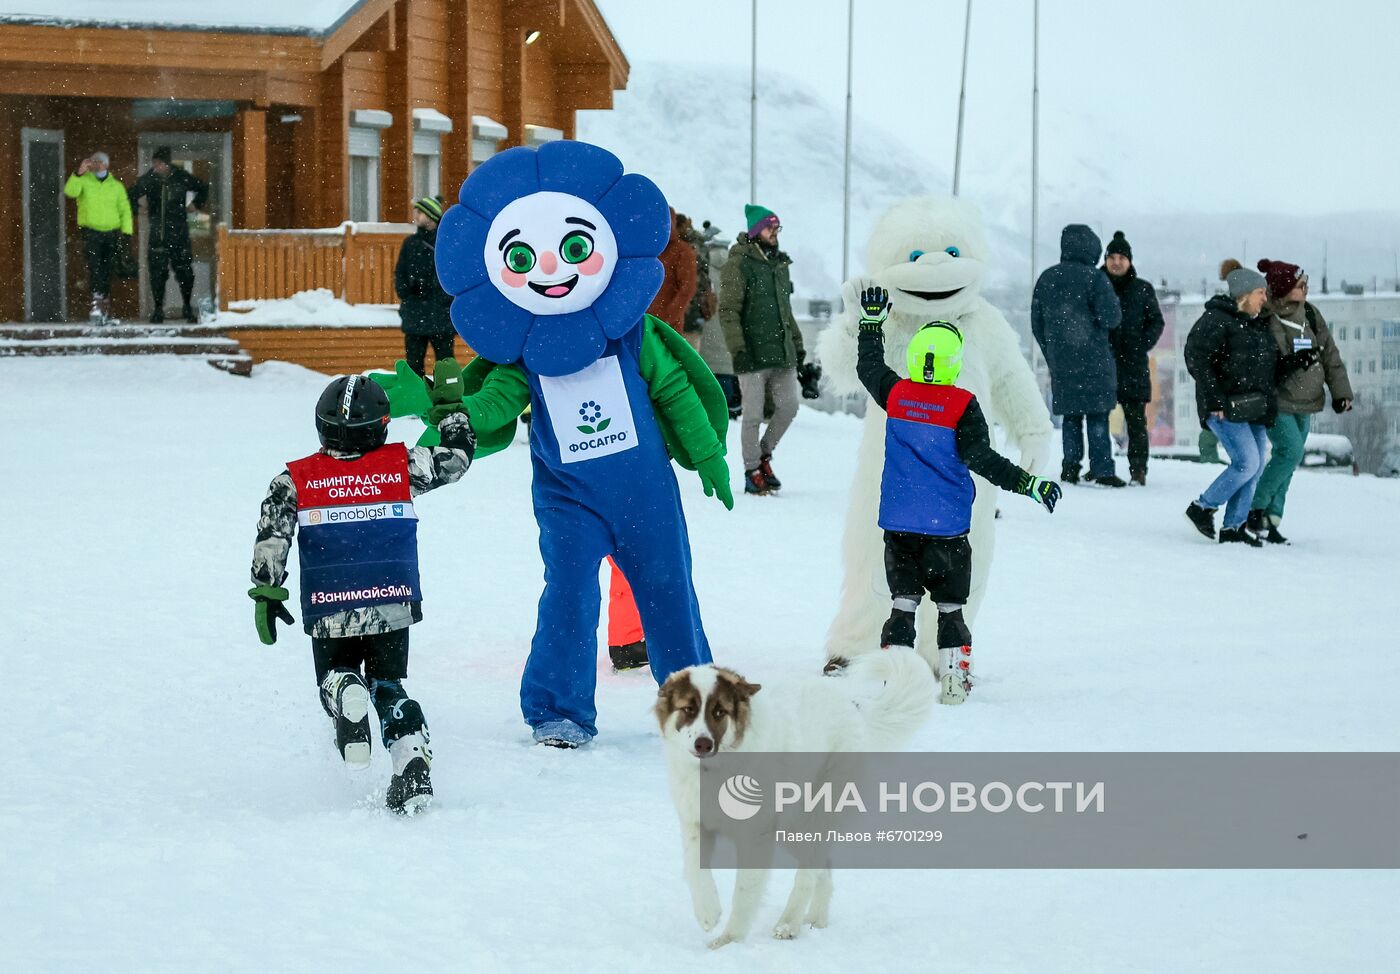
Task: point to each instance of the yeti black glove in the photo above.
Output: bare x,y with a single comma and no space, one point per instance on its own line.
1297,361
874,307
1341,405
268,608
1044,492
809,376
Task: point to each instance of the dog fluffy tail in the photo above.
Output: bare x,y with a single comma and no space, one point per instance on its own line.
902,704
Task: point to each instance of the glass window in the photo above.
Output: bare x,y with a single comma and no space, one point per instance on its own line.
427,175
1372,366
364,189
1373,331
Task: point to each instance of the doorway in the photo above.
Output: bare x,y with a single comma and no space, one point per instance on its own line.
45,259
205,155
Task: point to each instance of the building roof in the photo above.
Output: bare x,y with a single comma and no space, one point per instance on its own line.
315,17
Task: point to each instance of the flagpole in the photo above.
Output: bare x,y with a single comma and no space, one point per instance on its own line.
962,100
1035,137
846,186
753,108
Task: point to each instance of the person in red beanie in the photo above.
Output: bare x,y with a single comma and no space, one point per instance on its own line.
1300,331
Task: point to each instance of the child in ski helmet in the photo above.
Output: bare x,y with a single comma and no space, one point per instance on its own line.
936,438
352,500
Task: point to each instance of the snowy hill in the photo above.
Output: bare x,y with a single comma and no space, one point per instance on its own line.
172,802
687,126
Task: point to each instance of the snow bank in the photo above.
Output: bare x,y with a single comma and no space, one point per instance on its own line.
307,16
171,799
318,307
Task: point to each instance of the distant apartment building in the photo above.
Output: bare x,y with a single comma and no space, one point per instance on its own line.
1367,331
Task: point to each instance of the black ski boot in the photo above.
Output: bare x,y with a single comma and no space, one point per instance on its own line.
346,698
1203,518
898,630
633,656
411,788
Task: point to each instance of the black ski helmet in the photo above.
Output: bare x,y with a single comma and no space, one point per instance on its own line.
352,415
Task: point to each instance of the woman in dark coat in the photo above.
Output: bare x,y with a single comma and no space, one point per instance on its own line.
1073,310
1134,337
1235,361
425,309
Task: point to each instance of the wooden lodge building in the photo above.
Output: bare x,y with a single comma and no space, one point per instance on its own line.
296,114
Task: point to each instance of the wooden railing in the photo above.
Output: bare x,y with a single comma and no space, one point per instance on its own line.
355,262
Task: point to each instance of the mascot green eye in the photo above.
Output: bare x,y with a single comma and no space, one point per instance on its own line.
915,255
520,258
953,252
576,247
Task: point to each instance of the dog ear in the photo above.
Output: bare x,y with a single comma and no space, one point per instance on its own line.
746,688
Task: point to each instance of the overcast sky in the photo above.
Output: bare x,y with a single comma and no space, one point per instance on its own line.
1285,106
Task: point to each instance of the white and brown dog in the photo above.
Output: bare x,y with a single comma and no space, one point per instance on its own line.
874,702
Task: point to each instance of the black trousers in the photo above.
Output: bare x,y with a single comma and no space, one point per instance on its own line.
1135,419
415,348
174,254
100,253
919,563
382,658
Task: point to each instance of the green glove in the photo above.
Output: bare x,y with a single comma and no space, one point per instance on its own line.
714,476
874,307
446,393
407,392
267,609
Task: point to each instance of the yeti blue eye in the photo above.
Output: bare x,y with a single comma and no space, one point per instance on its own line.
953,252
915,255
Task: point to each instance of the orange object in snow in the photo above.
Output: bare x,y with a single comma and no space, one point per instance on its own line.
624,621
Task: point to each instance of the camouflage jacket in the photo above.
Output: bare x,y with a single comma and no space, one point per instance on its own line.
428,469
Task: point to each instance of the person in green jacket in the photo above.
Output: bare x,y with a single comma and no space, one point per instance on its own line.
104,219
755,313
1299,329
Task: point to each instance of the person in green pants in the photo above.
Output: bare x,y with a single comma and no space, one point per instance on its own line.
1300,330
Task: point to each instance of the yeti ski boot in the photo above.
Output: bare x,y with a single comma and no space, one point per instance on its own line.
411,788
955,674
346,699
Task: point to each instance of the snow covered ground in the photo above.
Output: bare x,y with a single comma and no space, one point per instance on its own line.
171,800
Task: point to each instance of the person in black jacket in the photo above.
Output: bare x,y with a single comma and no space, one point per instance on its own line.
1232,355
425,309
936,438
1135,336
171,192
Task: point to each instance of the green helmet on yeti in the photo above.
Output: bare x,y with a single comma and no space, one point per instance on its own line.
352,415
935,354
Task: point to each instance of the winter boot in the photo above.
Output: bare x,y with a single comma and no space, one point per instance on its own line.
633,656
95,312
898,630
755,483
1272,536
190,314
765,464
1069,473
411,787
1255,522
954,669
158,316
561,733
346,699
1112,480
1138,475
1203,518
1239,536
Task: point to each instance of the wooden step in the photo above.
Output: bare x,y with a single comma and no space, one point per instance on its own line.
47,332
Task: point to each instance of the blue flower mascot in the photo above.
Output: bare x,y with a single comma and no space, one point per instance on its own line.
551,259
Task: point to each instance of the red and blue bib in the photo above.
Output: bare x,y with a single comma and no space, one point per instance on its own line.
359,534
926,488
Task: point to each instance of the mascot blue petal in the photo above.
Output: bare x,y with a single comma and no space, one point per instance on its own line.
551,259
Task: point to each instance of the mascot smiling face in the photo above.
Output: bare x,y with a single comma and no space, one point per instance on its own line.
932,267
552,252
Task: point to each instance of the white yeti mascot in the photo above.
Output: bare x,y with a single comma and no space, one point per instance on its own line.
930,254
